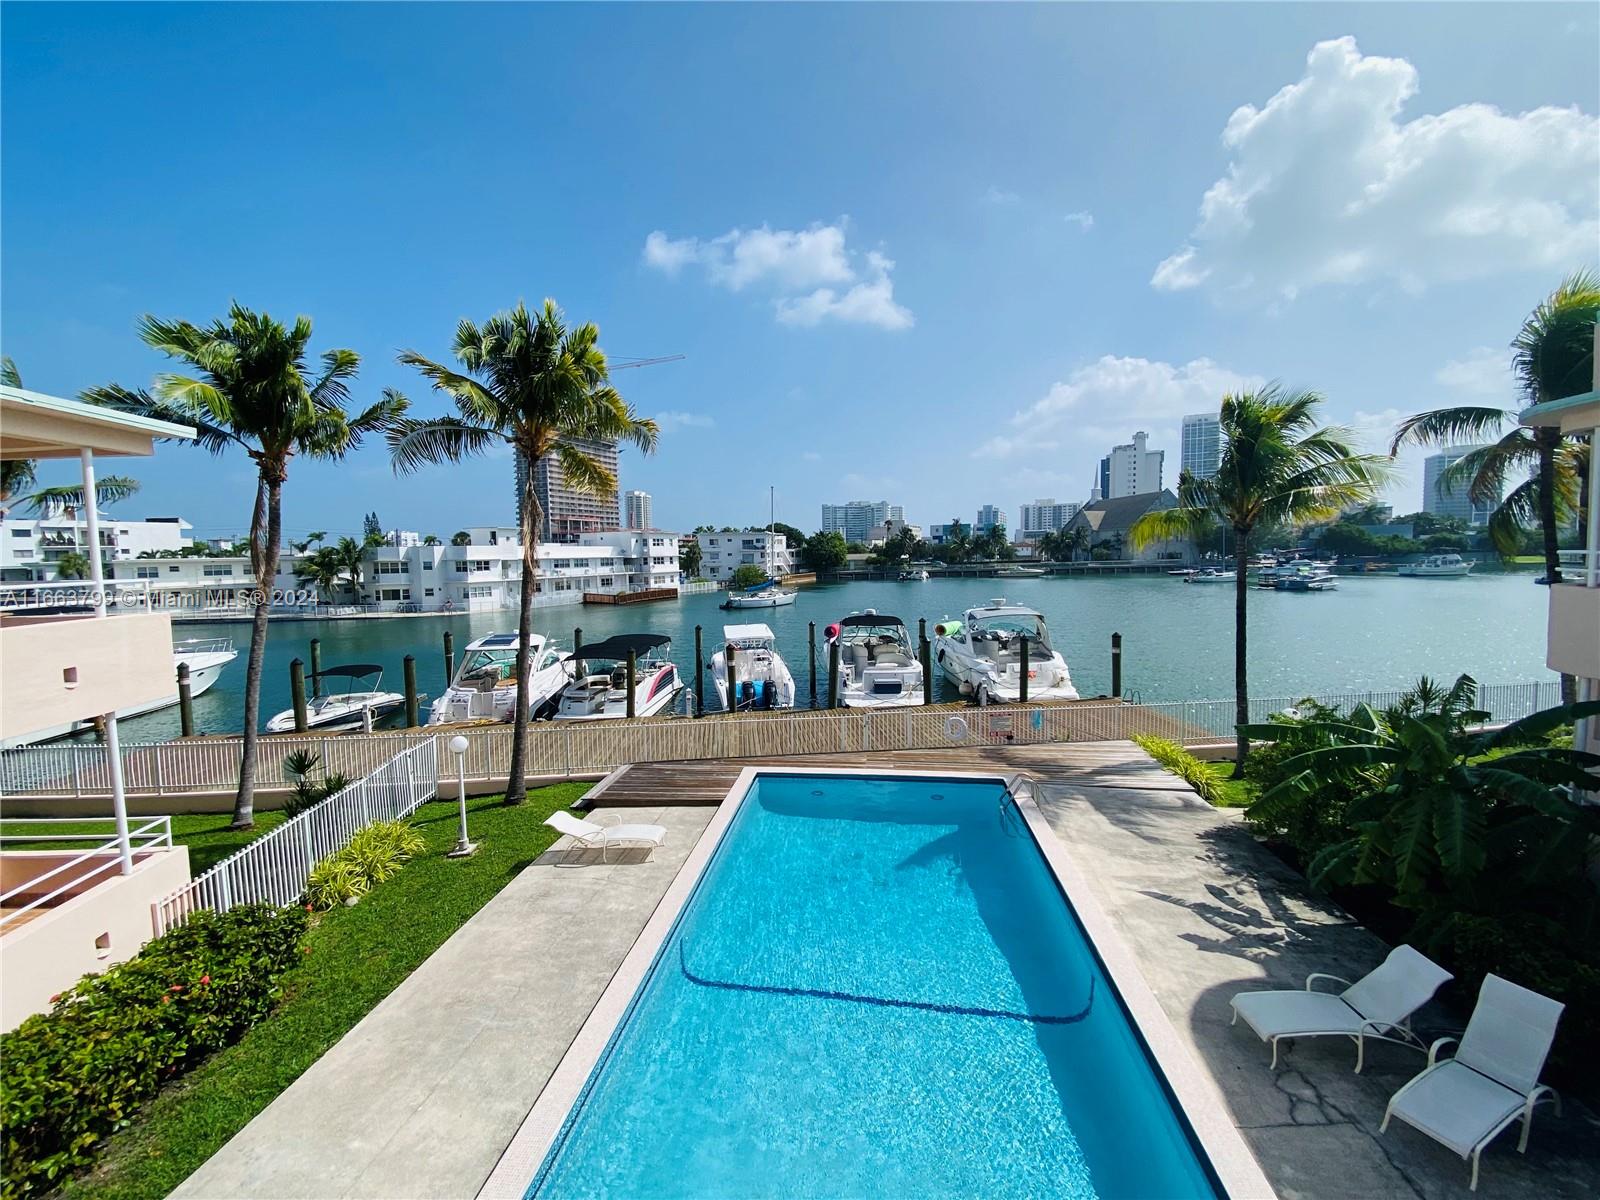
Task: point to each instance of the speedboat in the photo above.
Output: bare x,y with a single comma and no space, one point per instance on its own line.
767,594
1436,566
982,654
1019,572
1211,575
761,679
348,709
599,687
913,576
1301,575
878,665
485,684
205,658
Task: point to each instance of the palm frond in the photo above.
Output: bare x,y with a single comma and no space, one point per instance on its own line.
1553,353
214,437
1168,524
330,389
1448,427
9,375
108,489
584,472
414,444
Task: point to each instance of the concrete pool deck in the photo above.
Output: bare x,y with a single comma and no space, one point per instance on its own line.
410,1104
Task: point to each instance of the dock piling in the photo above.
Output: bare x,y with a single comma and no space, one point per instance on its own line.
633,672
925,652
1022,674
185,701
577,640
1116,665
411,692
699,674
811,636
449,656
733,682
833,673
297,689
316,667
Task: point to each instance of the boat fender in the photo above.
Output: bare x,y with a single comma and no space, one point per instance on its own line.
832,631
947,628
955,728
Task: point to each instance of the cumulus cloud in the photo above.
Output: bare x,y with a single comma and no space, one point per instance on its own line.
1483,372
999,195
1327,184
815,277
673,421
1083,219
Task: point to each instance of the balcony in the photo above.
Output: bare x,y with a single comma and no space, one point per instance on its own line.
1574,631
64,669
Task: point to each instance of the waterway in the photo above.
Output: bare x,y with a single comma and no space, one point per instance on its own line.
1375,632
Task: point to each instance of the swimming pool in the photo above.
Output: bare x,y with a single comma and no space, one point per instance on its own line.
875,988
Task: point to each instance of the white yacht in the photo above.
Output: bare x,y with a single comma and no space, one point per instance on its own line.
205,658
982,654
913,575
767,594
761,678
1436,566
485,684
878,665
349,709
1211,575
599,687
1301,575
1015,572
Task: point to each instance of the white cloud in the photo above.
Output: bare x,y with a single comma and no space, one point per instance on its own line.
813,273
998,195
1326,184
1083,219
673,421
1483,372
1106,400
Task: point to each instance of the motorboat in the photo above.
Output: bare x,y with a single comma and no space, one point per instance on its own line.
485,684
599,687
767,594
1437,566
914,575
878,666
1301,575
761,679
1211,575
982,654
205,658
1015,572
349,709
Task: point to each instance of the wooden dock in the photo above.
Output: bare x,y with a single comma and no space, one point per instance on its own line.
645,596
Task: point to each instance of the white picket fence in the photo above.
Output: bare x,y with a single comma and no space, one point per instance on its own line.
273,869
563,748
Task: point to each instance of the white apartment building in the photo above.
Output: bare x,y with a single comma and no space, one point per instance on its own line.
857,519
30,549
636,510
483,576
721,554
988,517
1045,516
1200,446
890,528
1452,502
1135,469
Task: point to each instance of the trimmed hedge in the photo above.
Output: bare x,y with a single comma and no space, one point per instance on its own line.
373,855
74,1075
1181,763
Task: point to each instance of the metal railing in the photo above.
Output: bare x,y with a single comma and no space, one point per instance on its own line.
562,748
147,833
274,868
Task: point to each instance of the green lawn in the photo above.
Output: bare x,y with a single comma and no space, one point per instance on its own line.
206,834
1235,793
357,957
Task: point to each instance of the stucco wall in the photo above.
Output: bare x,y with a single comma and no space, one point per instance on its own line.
1574,645
120,662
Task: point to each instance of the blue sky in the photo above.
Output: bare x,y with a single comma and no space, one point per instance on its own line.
940,255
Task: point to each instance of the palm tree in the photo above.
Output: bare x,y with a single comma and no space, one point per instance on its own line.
530,381
72,565
431,540
321,569
1076,540
1277,467
253,388
461,538
347,555
68,499
16,474
9,375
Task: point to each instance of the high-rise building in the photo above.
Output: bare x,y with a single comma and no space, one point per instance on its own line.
1044,516
857,519
1133,469
1200,451
568,513
1452,502
1102,480
988,517
636,510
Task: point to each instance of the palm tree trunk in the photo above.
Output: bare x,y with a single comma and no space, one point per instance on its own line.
1241,681
244,801
516,784
1548,440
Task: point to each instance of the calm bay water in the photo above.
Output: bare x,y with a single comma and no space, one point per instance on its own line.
1375,632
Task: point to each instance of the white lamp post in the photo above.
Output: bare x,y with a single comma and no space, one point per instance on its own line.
464,848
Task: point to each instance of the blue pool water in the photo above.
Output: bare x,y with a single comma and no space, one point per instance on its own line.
876,989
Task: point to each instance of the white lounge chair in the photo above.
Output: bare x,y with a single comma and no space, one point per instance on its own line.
587,835
1464,1102
1378,1006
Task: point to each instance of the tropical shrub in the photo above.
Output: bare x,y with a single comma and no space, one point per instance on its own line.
1305,820
1181,763
300,766
373,855
73,1075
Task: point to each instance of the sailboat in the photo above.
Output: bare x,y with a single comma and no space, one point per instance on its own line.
769,593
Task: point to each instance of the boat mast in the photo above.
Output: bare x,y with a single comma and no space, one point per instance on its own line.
772,519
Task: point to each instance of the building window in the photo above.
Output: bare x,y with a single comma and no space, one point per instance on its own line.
394,593
218,569
386,567
427,564
146,572
172,570
22,533
427,591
